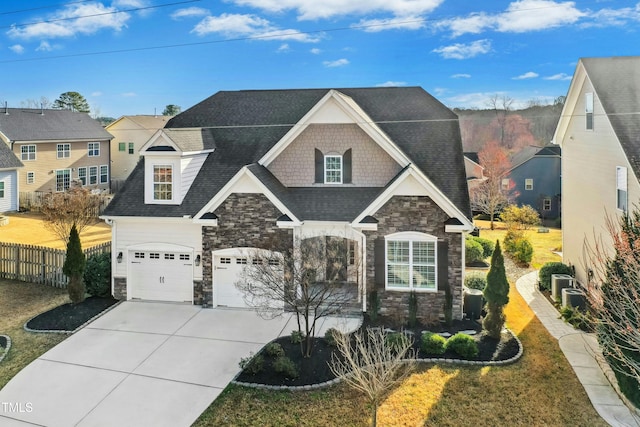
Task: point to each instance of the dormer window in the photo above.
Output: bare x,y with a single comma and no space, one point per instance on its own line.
162,182
333,169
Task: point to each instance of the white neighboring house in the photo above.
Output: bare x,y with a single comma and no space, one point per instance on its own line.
130,133
599,131
9,183
247,170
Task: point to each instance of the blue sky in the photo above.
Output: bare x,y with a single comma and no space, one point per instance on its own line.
136,56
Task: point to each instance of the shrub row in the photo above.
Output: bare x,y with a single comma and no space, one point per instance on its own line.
462,344
477,249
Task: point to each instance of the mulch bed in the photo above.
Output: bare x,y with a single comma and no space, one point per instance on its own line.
315,370
69,317
3,342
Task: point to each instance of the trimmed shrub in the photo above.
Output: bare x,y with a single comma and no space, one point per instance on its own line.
330,336
510,239
432,343
285,366
463,345
274,349
395,339
487,246
254,364
97,275
475,281
552,268
473,251
523,251
296,337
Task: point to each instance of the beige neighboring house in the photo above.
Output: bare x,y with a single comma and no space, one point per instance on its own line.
599,131
129,135
56,147
473,170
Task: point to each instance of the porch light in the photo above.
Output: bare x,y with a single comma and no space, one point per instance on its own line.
197,260
119,258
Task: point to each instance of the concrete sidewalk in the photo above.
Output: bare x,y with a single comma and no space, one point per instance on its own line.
581,350
141,364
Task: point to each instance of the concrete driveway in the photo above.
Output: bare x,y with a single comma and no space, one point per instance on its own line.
141,364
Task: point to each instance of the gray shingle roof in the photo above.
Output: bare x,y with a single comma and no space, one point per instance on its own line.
616,81
8,159
24,124
246,124
191,139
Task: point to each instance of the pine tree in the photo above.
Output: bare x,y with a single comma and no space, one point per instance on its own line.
497,294
73,267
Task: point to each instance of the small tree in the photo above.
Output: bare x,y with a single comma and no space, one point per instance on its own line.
311,283
520,217
171,110
496,293
74,207
72,101
73,267
372,364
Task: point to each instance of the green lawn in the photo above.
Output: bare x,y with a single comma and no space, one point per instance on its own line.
540,389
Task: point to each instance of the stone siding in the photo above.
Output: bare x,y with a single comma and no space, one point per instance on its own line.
371,165
244,220
120,288
420,214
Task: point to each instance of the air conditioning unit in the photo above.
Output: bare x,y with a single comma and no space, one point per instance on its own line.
574,298
558,283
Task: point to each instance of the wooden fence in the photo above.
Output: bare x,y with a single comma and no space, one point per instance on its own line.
38,264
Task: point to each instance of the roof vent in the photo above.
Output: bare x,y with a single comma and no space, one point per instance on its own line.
6,108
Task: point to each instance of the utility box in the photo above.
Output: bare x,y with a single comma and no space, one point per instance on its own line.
473,303
574,298
558,283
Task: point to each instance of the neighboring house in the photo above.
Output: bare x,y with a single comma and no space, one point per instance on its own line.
535,173
599,133
473,170
381,169
9,188
56,147
129,134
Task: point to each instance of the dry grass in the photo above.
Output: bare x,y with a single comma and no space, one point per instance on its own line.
19,302
29,229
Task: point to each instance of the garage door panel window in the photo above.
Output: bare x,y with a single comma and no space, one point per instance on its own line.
411,262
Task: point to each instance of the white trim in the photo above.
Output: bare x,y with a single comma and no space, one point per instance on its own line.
157,135
159,247
354,112
341,170
228,189
573,94
430,190
411,237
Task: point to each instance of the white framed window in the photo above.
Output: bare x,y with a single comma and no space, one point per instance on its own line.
122,146
546,204
28,152
94,149
621,188
588,110
162,182
504,184
63,151
93,175
31,177
1,189
131,148
82,175
528,184
63,179
104,174
411,261
333,169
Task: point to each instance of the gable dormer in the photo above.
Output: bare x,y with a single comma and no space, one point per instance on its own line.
173,158
335,144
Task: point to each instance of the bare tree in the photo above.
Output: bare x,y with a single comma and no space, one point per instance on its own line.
501,106
75,207
497,190
372,363
310,279
614,295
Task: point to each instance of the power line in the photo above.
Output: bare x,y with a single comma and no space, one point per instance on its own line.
12,12
93,15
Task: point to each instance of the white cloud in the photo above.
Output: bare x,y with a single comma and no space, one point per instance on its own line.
16,48
614,17
98,93
189,12
559,76
391,83
464,51
397,23
526,76
473,24
315,51
284,48
44,47
250,26
461,76
84,19
310,10
129,94
337,63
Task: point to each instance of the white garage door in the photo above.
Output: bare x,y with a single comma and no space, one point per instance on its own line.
227,271
161,276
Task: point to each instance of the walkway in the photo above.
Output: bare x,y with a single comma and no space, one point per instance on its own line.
581,350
